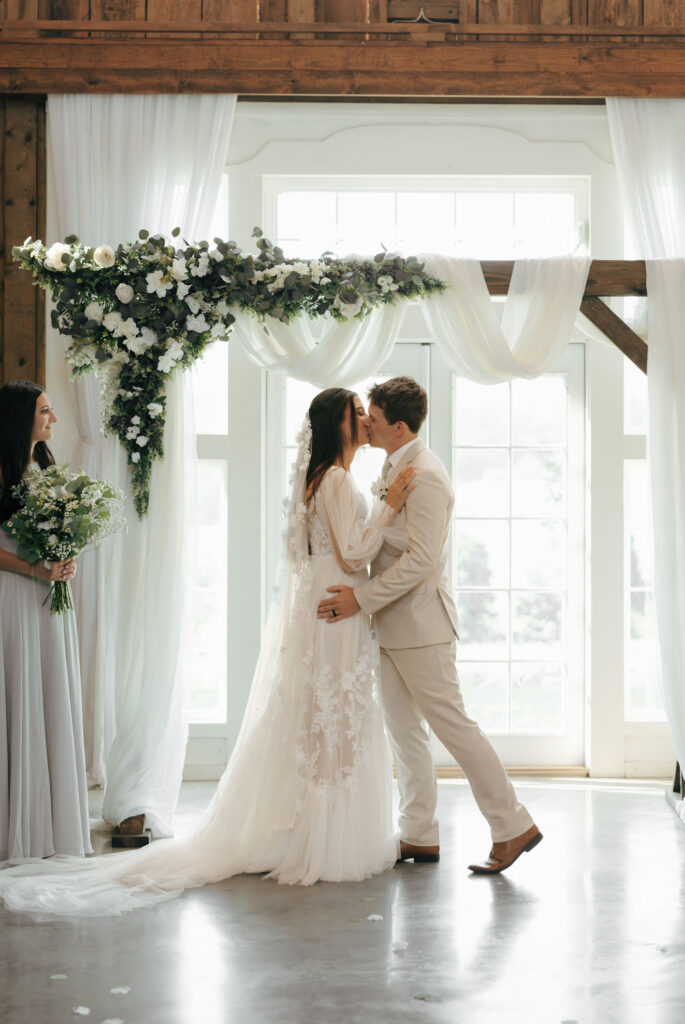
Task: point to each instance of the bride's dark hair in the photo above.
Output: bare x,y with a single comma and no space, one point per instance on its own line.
326,414
17,413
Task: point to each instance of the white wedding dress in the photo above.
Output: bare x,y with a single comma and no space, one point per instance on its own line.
43,789
307,793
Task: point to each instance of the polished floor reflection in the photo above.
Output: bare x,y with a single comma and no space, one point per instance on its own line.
588,928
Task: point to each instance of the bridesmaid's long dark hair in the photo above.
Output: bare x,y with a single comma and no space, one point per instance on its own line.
17,413
326,414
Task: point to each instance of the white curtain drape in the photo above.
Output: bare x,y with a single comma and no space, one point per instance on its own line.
648,138
537,321
330,354
117,164
538,318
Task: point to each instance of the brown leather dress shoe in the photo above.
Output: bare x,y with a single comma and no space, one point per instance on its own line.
503,855
419,854
133,826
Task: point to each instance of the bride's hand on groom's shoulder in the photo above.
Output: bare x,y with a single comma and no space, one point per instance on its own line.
342,605
401,487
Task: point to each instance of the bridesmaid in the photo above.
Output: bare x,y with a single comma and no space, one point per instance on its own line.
43,791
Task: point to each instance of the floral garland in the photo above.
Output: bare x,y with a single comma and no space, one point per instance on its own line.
138,313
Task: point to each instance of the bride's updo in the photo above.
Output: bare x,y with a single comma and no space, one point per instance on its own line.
326,414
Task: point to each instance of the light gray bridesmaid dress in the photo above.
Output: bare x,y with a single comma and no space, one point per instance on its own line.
43,790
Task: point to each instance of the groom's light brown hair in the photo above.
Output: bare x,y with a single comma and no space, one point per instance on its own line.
401,398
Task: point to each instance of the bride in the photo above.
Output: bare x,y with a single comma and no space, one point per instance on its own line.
307,792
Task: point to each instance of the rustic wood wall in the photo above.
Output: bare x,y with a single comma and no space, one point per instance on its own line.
485,12
22,180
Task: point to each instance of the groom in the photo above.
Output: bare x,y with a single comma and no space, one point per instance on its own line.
417,625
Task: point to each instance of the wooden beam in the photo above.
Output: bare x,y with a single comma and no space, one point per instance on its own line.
326,67
625,34
616,330
606,277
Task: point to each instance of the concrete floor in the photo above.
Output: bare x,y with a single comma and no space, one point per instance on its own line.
587,929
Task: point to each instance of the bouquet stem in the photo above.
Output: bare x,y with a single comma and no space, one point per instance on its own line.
61,602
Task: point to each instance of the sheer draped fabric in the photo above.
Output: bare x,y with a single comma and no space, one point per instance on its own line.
648,137
307,793
117,164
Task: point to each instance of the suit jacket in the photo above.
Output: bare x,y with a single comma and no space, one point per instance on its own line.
409,587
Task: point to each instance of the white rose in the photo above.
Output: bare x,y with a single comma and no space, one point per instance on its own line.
124,293
135,456
135,419
53,257
104,256
141,440
155,409
94,311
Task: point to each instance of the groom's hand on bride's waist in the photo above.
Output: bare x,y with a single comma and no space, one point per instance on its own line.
341,605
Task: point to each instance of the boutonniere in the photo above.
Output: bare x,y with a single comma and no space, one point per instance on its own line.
379,489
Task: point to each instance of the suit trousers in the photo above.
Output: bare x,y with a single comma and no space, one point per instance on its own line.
422,684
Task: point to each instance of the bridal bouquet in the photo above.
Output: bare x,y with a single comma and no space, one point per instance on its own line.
62,513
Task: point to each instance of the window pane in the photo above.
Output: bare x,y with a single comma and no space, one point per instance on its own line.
483,624
425,221
537,487
366,222
545,224
635,407
485,689
306,222
481,482
485,224
481,413
205,689
537,554
645,700
209,378
536,626
481,553
538,411
537,698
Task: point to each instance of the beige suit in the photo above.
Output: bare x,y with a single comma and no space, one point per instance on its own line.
416,620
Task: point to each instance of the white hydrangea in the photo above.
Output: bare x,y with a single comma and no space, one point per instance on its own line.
148,337
141,440
135,456
94,311
155,409
202,267
197,323
112,322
